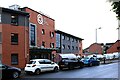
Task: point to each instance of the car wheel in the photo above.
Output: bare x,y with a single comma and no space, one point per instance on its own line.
90,64
37,71
15,75
56,69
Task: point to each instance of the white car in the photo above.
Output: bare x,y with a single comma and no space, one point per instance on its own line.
41,65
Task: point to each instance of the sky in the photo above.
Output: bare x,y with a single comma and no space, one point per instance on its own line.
80,18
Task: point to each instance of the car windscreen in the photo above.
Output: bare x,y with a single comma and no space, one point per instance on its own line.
32,62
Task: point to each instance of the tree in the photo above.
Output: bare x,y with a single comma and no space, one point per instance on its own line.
116,7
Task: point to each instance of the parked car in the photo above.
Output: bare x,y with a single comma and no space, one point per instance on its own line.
70,64
41,65
109,56
116,55
91,61
9,71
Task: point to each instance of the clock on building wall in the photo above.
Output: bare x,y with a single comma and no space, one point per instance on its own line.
40,19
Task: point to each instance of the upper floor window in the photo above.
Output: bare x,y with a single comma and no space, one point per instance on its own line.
52,45
72,39
32,34
68,46
68,38
43,44
14,19
0,37
76,48
43,32
72,47
51,34
14,38
76,41
63,46
63,37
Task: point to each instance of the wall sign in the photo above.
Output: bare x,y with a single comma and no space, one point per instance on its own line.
40,19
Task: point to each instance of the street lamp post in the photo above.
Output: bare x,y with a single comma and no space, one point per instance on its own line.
96,33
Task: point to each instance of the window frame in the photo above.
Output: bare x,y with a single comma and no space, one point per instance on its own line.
13,38
43,31
14,19
13,61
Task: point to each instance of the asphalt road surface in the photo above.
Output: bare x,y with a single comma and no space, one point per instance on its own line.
102,71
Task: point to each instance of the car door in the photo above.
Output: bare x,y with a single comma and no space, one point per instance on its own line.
50,65
42,65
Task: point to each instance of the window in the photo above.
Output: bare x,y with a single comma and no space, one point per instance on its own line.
57,40
47,62
52,45
68,38
63,37
32,35
14,19
68,46
43,32
0,37
63,46
76,48
51,34
42,61
43,44
72,47
14,38
14,59
76,41
72,39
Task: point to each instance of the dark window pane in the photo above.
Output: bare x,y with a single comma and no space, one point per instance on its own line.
43,31
32,32
14,58
14,38
14,19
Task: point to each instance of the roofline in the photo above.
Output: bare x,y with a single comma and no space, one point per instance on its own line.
58,31
38,12
14,11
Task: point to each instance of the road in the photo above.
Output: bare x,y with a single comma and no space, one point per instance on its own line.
102,71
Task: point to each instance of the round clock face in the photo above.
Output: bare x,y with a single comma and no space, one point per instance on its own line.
40,19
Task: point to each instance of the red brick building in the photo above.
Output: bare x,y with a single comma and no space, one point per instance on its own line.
115,47
95,48
42,37
14,37
27,34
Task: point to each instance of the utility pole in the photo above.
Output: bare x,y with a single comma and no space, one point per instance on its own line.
96,33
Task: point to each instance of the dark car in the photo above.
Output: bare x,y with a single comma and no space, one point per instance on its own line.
70,64
91,61
9,71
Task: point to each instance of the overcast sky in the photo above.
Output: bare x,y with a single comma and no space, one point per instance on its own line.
77,17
